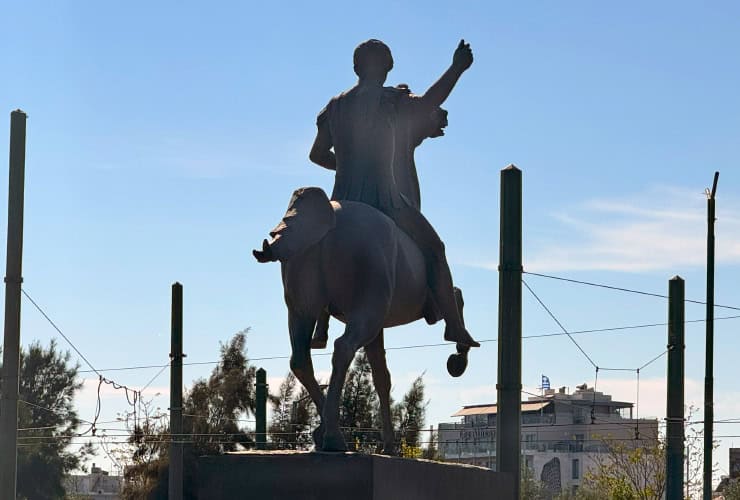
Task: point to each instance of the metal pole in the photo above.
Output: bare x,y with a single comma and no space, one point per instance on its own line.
13,280
709,352
509,386
675,397
261,410
175,482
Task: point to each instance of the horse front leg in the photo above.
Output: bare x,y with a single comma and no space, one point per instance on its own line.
301,329
356,335
382,380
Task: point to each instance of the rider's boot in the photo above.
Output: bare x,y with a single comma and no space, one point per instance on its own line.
444,295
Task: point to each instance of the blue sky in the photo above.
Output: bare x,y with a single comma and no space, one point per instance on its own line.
164,141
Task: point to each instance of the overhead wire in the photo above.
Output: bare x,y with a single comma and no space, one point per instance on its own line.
622,289
419,346
136,395
133,399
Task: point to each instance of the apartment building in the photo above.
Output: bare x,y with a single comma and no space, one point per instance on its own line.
561,433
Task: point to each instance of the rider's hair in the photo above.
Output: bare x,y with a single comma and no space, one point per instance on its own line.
372,54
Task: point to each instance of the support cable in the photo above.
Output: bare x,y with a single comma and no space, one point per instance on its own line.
621,289
560,325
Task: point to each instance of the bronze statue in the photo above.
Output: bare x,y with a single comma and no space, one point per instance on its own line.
368,257
408,138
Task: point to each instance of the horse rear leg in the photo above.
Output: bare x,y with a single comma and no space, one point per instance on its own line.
321,335
375,351
301,329
359,332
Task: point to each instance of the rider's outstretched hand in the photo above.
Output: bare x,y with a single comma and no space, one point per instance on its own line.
463,57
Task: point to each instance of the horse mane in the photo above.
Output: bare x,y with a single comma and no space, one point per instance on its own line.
309,217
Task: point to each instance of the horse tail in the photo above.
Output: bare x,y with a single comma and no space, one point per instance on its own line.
309,217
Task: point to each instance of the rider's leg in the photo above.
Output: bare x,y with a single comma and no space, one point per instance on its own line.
416,225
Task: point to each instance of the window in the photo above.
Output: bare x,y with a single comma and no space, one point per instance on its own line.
579,416
576,469
530,441
578,445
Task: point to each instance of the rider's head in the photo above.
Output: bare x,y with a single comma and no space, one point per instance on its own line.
373,61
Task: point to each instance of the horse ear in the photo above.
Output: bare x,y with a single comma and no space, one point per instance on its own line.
264,255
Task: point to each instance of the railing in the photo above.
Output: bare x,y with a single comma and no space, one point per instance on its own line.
459,448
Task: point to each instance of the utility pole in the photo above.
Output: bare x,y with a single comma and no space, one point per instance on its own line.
709,367
509,386
175,481
13,280
261,410
675,397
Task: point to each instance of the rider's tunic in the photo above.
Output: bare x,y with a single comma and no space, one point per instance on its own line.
370,129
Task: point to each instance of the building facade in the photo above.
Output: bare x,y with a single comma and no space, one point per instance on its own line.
561,433
98,485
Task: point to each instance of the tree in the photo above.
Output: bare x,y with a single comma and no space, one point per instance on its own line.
292,416
358,409
213,411
145,455
47,422
732,490
410,414
212,408
694,455
531,488
431,451
634,471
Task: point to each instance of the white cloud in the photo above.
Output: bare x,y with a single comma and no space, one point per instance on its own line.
661,229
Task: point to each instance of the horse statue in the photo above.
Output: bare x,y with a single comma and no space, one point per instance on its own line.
352,257
329,264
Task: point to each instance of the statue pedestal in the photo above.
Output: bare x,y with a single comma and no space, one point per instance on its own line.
293,475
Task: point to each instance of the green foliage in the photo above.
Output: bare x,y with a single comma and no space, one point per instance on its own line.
580,494
431,451
358,407
627,472
410,413
213,410
292,416
732,490
145,456
49,382
530,487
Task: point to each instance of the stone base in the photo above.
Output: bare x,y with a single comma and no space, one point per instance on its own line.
291,475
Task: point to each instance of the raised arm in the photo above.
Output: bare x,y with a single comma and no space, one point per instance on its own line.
321,153
440,91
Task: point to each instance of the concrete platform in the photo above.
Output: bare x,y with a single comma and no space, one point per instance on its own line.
291,475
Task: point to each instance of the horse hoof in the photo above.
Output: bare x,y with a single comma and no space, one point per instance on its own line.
457,363
390,451
333,442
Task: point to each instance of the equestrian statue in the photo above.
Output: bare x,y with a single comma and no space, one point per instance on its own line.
367,256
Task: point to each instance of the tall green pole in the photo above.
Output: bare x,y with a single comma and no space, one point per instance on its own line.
13,280
509,386
175,480
261,410
709,352
675,396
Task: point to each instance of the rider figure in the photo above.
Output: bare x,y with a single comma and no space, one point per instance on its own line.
363,126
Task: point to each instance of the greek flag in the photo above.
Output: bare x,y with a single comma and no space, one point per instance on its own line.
545,382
